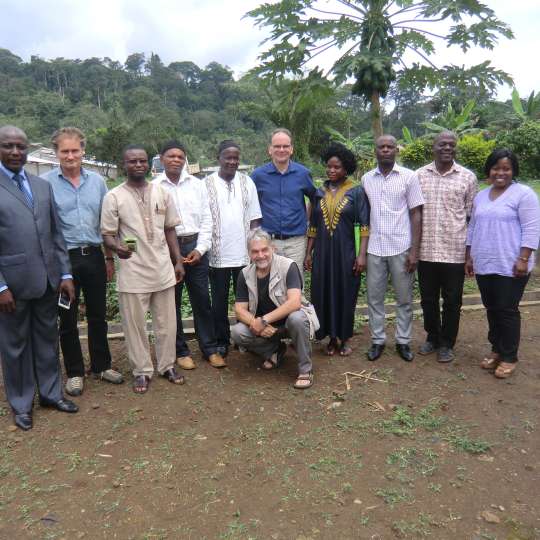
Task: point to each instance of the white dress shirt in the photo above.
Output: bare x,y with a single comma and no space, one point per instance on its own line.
391,198
191,200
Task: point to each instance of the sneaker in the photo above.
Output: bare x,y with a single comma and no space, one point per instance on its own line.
75,386
110,375
427,348
445,355
186,362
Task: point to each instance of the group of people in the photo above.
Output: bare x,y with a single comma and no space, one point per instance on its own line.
60,235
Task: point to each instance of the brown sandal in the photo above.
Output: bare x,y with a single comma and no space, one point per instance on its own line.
505,369
304,381
490,362
332,347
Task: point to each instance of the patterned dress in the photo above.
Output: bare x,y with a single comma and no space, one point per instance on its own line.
334,287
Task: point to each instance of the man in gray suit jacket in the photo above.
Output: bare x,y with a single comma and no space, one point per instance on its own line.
34,270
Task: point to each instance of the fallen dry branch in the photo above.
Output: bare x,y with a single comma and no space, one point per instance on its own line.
368,377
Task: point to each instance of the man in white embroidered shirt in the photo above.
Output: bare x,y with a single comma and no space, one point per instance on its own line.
194,239
235,210
395,228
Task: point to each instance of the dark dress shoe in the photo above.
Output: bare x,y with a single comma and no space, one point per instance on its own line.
427,348
23,421
375,351
445,355
405,352
63,405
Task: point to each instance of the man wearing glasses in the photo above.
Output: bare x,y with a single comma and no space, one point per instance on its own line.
282,186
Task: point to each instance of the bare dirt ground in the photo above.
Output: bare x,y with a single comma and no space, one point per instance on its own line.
446,452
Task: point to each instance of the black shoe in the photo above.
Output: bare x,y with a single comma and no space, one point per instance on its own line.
375,351
427,348
23,421
405,352
445,355
63,405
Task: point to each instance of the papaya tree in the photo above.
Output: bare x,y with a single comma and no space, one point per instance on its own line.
370,39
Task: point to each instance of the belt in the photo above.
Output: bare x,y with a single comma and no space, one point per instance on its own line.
282,236
84,250
187,239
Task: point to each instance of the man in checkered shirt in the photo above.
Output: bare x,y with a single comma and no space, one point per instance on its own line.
449,190
395,228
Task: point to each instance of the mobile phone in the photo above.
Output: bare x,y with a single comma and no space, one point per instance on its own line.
131,243
64,301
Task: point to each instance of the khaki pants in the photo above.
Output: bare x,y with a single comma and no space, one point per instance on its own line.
133,308
293,248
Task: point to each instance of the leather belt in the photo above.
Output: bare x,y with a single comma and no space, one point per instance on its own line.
282,236
83,250
187,239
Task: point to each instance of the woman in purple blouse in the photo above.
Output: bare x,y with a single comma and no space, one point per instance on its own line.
503,233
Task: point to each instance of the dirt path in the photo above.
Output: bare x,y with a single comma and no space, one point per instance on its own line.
447,452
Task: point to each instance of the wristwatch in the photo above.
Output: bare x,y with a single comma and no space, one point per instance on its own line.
265,323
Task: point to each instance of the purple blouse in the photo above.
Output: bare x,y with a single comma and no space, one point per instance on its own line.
500,228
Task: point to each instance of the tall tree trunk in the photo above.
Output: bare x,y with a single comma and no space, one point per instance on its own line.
376,118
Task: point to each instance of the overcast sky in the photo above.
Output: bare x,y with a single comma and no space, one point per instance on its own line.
213,30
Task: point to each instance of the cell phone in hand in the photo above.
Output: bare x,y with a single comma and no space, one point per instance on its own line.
64,301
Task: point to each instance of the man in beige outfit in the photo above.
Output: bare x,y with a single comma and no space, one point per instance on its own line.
138,223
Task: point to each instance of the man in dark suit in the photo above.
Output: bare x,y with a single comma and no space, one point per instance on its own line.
34,271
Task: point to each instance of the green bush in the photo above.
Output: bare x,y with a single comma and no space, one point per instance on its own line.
525,142
472,152
417,154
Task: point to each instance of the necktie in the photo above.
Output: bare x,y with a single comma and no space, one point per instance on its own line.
26,192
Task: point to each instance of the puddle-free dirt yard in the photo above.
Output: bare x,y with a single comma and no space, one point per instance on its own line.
428,450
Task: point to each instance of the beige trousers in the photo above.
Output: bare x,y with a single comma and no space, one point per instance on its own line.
293,248
133,308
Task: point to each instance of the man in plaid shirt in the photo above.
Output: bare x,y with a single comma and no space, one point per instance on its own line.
449,190
395,227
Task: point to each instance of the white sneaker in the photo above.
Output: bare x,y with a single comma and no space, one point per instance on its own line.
75,386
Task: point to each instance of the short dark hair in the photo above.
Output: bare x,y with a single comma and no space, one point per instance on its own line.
501,153
227,143
169,145
343,154
132,147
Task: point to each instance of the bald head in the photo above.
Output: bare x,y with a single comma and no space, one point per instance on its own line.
13,148
12,131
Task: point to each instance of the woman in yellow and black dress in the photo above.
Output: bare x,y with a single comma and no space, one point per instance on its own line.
331,254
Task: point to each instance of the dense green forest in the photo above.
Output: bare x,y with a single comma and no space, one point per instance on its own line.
144,101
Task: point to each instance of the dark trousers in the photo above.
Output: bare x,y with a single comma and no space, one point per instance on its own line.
501,296
196,281
220,280
89,275
29,351
437,279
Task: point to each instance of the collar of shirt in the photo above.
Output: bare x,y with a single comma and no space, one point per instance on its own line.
10,174
60,173
270,168
433,168
395,169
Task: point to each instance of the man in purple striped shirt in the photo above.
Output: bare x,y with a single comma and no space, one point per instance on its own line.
395,229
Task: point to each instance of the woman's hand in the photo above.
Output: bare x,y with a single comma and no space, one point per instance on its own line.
308,262
360,264
521,268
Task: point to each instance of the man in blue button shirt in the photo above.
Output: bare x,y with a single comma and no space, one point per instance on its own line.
79,196
34,271
282,186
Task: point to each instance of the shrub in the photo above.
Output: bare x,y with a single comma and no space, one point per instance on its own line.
417,154
472,152
525,142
